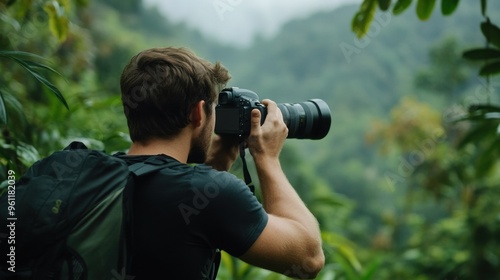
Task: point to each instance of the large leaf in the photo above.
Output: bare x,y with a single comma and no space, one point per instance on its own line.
3,110
362,19
491,32
15,110
480,113
448,6
483,108
425,8
4,53
490,69
43,80
483,7
401,6
32,67
384,4
481,54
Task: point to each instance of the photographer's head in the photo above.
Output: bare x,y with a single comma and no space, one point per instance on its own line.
161,86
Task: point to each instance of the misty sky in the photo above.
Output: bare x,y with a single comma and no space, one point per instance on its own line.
237,21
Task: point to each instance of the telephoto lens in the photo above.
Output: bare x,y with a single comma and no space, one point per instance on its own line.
306,120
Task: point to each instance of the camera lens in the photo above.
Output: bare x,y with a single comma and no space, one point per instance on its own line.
306,120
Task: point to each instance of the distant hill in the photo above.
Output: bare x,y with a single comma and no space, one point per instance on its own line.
315,57
361,79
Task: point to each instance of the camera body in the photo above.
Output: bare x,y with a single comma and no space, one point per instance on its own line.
305,120
233,111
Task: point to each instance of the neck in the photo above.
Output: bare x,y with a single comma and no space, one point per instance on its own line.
175,147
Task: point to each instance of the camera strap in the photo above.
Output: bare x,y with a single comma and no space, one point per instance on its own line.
246,174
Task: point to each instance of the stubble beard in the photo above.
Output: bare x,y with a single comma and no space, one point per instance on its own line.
199,147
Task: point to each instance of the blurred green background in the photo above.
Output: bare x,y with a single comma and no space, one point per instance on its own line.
405,185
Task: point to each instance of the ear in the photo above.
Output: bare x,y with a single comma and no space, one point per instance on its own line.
198,114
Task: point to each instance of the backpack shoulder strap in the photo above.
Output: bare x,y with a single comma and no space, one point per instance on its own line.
138,169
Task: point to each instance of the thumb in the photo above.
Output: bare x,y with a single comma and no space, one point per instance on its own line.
255,121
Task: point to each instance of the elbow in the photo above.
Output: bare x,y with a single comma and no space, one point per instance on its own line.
316,264
316,261
309,267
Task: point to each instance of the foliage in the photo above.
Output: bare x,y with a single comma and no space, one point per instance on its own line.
89,42
491,53
424,8
457,245
425,209
17,149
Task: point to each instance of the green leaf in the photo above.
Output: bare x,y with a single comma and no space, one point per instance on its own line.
384,4
33,64
363,18
490,69
31,67
9,54
483,7
27,153
487,160
480,54
369,273
424,8
3,110
16,110
348,270
483,108
491,32
478,133
401,6
58,22
448,6
344,247
52,88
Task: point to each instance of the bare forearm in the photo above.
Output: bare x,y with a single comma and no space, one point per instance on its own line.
219,163
291,241
222,153
280,198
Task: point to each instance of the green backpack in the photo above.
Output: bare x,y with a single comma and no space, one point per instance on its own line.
68,215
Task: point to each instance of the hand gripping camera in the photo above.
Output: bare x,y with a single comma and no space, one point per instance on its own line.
305,120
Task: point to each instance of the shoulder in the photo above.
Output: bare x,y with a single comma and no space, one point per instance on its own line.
216,182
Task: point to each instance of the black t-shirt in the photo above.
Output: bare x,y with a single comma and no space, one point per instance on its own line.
184,214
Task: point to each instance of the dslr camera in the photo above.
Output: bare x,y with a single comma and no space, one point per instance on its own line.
305,120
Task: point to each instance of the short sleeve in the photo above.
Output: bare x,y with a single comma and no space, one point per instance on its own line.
233,218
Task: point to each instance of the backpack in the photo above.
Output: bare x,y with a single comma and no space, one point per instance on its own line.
68,217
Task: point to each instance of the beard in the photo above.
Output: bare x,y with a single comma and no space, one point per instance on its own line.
199,147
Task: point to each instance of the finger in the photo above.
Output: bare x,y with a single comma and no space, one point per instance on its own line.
269,103
273,112
255,122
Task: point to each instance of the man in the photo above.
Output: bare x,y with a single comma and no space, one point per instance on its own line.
184,214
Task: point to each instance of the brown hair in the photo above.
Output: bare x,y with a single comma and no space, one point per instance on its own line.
160,86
